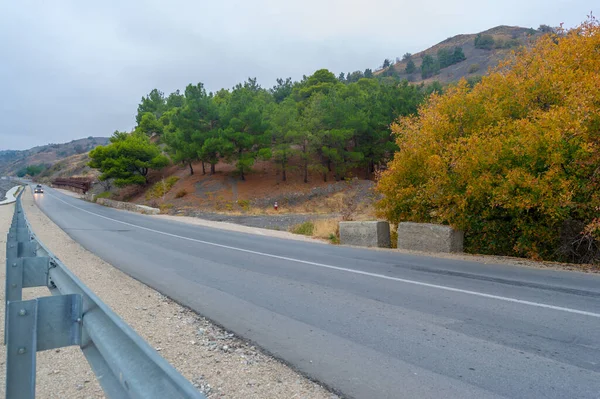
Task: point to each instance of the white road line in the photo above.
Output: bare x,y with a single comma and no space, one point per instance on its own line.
343,269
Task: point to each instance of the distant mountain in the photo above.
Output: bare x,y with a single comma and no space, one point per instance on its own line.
481,51
12,161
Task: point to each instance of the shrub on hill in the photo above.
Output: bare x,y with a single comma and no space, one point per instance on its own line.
513,161
484,42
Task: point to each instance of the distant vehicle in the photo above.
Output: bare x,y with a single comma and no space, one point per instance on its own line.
38,189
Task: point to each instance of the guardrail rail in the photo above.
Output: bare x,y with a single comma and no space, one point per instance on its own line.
126,366
83,184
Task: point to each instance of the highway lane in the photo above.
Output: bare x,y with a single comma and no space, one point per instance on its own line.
370,324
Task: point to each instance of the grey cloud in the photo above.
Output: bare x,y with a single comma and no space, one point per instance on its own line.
71,68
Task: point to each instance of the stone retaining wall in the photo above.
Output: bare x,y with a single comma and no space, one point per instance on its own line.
128,206
428,237
365,234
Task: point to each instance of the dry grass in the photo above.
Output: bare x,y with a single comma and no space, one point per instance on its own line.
324,228
306,229
327,229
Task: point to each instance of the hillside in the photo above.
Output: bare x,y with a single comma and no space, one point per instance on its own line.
478,59
12,161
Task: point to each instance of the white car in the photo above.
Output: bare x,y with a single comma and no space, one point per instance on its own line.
38,189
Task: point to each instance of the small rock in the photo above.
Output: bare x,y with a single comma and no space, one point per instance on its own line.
79,387
158,349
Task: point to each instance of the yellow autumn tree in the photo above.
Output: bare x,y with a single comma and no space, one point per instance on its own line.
515,160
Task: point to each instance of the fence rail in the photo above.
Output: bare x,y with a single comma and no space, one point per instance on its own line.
83,184
125,365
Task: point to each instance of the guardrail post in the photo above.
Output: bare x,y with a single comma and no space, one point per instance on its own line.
10,286
18,245
21,347
37,325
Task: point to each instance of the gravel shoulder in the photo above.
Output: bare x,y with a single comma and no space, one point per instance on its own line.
272,222
218,363
238,227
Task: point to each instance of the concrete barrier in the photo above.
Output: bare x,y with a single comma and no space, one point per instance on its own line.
127,206
10,196
365,234
429,237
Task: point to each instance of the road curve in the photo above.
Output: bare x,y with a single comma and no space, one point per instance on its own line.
369,324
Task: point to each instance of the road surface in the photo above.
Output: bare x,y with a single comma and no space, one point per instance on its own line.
369,324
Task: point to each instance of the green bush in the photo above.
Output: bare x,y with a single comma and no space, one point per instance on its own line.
306,228
106,194
485,42
161,188
473,68
334,239
512,43
244,204
31,170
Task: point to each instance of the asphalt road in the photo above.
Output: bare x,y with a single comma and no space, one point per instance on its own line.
367,323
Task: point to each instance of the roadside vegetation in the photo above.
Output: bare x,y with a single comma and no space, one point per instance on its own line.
320,124
327,229
31,170
513,161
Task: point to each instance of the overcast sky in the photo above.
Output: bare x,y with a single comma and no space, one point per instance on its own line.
75,68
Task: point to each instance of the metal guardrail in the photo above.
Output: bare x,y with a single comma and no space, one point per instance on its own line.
125,365
83,184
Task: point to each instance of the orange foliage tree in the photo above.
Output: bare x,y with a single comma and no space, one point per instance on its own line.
515,160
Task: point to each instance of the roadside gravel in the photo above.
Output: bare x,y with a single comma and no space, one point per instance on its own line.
281,222
218,363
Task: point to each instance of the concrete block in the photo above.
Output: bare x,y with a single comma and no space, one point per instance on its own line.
429,237
365,234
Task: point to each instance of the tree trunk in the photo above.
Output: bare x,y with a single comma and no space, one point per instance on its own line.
203,168
191,168
242,171
283,176
325,177
306,171
212,168
329,165
305,162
